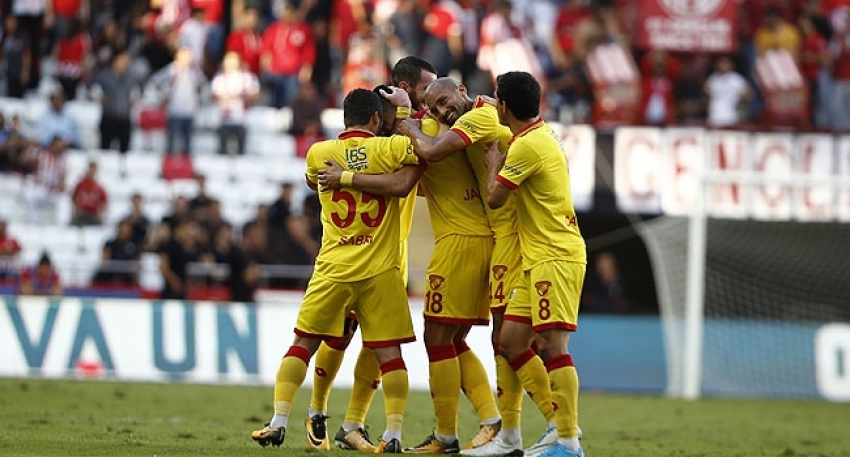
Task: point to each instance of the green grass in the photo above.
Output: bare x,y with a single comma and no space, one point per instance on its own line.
104,418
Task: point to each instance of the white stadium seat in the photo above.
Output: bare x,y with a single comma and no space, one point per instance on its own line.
143,164
251,169
183,187
332,122
271,146
204,143
215,166
264,119
208,117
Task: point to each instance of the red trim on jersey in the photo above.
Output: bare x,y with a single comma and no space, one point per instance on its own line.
388,343
461,347
479,102
520,319
419,114
499,309
338,344
355,134
506,182
520,360
392,365
463,135
555,326
528,128
440,353
313,184
559,361
299,352
457,320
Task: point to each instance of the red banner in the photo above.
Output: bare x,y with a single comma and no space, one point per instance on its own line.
688,25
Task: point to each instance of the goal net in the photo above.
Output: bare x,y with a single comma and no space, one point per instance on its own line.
768,288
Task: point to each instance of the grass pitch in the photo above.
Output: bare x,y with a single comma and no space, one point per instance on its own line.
72,418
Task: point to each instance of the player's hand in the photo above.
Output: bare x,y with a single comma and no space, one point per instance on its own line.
329,177
494,157
487,99
409,126
398,97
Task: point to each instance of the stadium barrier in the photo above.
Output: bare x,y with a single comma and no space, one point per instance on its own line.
237,343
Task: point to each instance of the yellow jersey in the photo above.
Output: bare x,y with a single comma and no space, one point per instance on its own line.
360,231
536,166
479,128
450,188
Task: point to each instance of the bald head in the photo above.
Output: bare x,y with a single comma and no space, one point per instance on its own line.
442,85
446,100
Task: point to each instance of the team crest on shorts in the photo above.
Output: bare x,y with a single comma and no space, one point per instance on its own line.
436,281
499,271
542,287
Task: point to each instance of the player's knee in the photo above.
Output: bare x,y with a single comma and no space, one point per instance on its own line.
438,334
510,348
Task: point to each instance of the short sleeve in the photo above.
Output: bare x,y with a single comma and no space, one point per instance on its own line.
520,163
476,124
402,149
312,173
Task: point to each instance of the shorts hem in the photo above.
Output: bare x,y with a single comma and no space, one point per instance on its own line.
555,326
322,336
520,319
457,320
388,343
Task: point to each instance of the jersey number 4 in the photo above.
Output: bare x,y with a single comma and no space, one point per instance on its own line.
346,218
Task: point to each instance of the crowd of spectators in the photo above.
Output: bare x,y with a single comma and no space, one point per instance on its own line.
171,57
177,47
196,247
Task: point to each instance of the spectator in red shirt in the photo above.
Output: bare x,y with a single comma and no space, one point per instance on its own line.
9,249
840,96
89,199
41,279
289,53
443,45
570,15
247,42
61,15
214,18
72,52
815,60
657,106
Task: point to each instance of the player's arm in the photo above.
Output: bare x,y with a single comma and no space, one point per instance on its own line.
432,149
498,188
396,184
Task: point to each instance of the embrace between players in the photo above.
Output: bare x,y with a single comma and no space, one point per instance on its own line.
507,244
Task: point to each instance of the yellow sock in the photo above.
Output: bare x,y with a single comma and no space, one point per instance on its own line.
444,378
564,380
367,378
475,384
532,374
394,377
290,376
328,360
510,393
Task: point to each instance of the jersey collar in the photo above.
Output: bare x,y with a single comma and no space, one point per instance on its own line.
536,124
479,102
355,133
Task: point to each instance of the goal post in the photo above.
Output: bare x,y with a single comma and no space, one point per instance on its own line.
751,257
